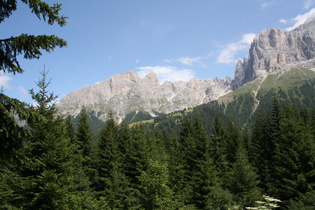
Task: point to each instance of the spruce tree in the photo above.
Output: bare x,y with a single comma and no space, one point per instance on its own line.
261,151
188,156
243,183
111,179
208,190
218,148
70,129
29,47
48,177
136,162
156,185
232,141
86,149
294,156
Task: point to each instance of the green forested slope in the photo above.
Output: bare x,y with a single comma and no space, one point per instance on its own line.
223,155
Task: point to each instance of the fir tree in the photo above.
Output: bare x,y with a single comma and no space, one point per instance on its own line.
218,148
232,141
70,129
29,47
243,181
48,177
84,141
136,162
188,164
110,165
294,156
261,151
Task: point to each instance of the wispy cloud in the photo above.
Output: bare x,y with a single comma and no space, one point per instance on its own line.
189,60
167,73
266,4
308,4
227,55
23,91
186,60
298,20
4,81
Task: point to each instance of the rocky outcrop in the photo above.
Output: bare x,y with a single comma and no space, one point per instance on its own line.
123,93
277,50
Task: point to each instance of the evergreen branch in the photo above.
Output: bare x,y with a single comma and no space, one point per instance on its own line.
6,8
13,111
46,12
29,46
41,9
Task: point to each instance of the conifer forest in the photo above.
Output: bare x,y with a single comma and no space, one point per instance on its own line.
195,160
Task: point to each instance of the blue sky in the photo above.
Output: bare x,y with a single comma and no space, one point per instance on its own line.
177,39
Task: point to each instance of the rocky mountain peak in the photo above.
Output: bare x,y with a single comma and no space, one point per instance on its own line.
273,50
309,24
151,80
276,50
127,92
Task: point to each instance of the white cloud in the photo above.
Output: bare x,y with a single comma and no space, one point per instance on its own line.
299,19
248,38
308,4
189,60
266,4
23,91
168,60
4,81
167,73
227,55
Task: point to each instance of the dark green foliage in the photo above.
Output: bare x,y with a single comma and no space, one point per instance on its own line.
49,176
232,141
304,202
261,151
218,148
241,107
84,134
191,159
111,179
137,116
11,133
70,129
86,149
294,156
29,46
243,182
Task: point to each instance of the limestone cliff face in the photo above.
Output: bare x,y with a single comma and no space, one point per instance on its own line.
123,93
271,51
277,50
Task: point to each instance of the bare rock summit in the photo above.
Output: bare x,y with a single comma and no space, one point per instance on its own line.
273,50
127,92
277,50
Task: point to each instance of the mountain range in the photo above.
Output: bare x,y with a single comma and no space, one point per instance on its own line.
272,52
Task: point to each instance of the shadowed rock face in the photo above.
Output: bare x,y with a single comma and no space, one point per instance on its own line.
277,50
123,93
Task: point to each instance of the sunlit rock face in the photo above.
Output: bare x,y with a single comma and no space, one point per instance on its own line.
271,51
123,93
277,50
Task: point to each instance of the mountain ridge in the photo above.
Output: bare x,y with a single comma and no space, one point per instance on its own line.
272,51
127,92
